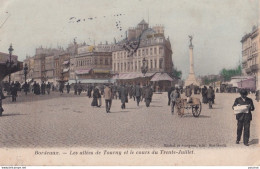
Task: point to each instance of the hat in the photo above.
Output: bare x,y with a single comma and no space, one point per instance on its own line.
243,92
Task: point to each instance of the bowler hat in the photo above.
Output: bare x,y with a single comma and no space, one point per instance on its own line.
243,92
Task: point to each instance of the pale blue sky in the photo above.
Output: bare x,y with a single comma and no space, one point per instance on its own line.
217,26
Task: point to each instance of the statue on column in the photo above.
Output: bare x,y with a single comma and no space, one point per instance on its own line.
190,36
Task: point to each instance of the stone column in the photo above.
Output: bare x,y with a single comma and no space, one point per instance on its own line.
191,60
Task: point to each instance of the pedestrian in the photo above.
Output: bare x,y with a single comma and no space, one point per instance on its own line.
244,118
174,96
143,92
61,88
79,88
43,88
76,88
1,98
204,95
188,93
169,94
138,93
68,87
123,96
48,87
148,95
26,88
99,97
210,96
13,92
95,98
257,95
108,98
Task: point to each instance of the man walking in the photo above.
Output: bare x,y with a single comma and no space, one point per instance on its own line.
108,98
174,96
1,98
148,95
244,118
210,96
123,96
76,88
188,93
138,93
68,87
43,88
48,88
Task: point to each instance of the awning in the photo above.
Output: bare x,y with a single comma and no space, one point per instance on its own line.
247,84
66,62
82,71
66,70
161,77
90,81
126,76
101,71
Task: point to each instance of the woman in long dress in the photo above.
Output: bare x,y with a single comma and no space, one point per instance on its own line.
95,98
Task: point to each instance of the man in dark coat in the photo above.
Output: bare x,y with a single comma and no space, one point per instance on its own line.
123,96
43,88
76,88
169,94
68,87
148,95
13,92
26,88
48,88
1,98
204,95
79,88
138,93
61,87
244,119
210,96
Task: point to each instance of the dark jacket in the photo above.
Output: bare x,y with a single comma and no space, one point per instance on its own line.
244,116
138,91
123,94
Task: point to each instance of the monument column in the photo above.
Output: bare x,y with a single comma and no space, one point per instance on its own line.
191,78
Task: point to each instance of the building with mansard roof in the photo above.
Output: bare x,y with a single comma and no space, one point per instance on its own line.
143,46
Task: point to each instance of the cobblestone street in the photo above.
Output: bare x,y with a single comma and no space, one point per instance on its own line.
70,121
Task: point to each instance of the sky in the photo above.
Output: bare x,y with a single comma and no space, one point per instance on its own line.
217,26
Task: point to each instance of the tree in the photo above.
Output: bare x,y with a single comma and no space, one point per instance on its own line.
177,73
228,73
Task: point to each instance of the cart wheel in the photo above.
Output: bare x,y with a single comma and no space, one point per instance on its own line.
196,109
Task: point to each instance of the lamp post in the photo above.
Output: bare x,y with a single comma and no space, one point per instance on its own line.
144,68
10,62
25,71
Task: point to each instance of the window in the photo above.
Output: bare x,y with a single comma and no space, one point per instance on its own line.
125,66
161,51
155,51
161,63
101,61
139,52
151,64
146,51
114,66
151,51
155,64
139,64
143,52
121,66
135,65
117,66
95,61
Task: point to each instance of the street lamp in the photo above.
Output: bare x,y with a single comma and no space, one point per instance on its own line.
9,62
25,71
144,68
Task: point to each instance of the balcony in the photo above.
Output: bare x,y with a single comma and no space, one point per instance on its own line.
248,70
255,67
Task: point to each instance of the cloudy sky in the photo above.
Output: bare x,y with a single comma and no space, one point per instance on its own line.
217,26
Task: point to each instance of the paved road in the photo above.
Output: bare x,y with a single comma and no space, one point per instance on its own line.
69,121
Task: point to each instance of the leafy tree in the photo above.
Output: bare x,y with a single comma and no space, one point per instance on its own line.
228,73
177,73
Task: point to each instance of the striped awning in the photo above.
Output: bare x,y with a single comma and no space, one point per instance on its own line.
82,71
125,76
161,77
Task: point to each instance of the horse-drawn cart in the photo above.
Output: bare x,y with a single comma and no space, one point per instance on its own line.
194,105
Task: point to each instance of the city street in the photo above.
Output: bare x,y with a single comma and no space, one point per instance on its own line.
69,121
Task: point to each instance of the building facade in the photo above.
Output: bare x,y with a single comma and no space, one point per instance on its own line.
250,55
143,46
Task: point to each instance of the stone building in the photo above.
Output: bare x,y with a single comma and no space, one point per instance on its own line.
91,64
250,55
143,46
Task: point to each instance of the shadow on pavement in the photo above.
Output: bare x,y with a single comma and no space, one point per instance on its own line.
118,112
14,114
254,141
201,116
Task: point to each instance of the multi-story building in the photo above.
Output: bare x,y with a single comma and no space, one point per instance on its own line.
250,55
143,46
92,64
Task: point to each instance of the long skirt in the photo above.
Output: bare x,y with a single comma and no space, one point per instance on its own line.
94,102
